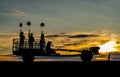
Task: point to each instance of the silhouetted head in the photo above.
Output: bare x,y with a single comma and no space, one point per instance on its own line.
49,42
31,34
21,33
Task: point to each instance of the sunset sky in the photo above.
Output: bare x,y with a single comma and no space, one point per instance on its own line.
67,19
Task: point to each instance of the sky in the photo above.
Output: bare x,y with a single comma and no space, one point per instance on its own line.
60,15
82,23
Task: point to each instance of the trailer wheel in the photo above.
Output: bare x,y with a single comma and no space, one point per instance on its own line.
86,56
28,58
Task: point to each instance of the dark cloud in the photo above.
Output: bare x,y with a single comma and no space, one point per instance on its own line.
83,36
74,36
56,35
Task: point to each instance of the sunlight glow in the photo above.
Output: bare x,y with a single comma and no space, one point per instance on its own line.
108,47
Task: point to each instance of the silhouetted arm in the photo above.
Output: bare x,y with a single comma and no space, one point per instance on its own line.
29,33
20,30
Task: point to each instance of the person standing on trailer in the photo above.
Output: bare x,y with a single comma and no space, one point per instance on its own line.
30,35
22,38
42,41
31,39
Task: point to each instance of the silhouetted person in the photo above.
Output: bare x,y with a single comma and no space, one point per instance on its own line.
42,41
49,50
42,44
109,57
31,39
22,38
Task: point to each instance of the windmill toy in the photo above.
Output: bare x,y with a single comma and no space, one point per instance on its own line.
29,24
42,25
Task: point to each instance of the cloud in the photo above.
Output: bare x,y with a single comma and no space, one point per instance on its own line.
83,36
80,40
6,43
13,12
73,36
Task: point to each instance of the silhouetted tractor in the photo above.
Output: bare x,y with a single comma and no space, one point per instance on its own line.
28,53
87,55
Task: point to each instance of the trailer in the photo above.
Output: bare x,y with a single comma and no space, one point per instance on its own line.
28,54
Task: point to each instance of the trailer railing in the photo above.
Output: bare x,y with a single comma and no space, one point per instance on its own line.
16,44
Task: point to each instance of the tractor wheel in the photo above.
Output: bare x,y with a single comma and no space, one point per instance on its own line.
28,58
86,56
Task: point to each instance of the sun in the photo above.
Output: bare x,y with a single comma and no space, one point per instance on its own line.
108,47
